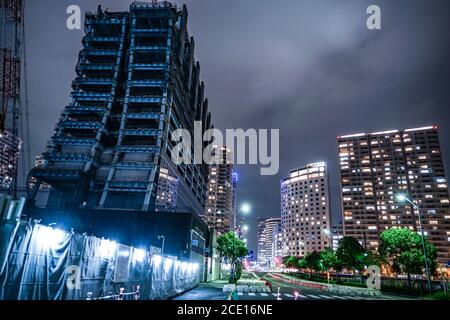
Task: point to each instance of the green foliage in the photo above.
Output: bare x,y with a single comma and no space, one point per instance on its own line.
231,247
313,261
374,258
330,260
350,254
291,261
404,248
440,295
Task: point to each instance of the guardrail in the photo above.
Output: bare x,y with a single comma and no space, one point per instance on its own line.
134,295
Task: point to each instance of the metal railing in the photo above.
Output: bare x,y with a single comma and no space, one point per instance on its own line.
133,295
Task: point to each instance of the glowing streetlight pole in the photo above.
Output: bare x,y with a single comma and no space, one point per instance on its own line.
245,208
403,198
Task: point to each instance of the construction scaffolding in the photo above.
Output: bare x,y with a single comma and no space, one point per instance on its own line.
11,50
137,81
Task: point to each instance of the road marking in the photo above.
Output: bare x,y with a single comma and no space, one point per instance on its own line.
313,296
251,294
288,295
240,293
302,296
388,298
264,294
338,297
350,297
275,294
326,297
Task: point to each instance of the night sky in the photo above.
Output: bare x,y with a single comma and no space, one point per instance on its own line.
309,68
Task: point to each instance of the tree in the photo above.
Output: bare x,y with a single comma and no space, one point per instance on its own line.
232,248
350,253
373,258
403,248
330,260
313,261
291,261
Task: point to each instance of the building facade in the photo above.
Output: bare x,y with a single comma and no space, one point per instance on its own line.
137,82
337,233
375,167
166,198
261,242
274,243
305,210
9,154
219,213
269,242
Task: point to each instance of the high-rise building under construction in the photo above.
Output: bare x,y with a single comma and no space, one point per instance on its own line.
137,81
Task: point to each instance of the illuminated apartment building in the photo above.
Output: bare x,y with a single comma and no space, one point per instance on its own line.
273,243
261,242
305,210
166,197
375,167
220,197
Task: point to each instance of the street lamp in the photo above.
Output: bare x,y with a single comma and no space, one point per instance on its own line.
162,247
403,198
245,208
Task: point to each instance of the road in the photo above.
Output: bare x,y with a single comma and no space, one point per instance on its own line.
214,291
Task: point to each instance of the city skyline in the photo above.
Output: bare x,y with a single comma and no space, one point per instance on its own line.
344,60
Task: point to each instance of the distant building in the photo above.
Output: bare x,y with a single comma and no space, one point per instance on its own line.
305,210
220,205
261,242
166,197
234,201
269,240
9,155
375,167
337,233
277,245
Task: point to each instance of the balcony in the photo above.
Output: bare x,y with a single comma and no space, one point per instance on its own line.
146,83
92,81
142,148
134,165
64,157
92,38
144,115
80,125
99,52
85,109
142,99
64,140
142,132
150,48
150,66
90,96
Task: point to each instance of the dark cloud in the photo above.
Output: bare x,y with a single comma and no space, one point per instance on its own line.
310,68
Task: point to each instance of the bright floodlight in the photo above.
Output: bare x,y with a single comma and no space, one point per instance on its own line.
401,197
245,208
245,227
327,232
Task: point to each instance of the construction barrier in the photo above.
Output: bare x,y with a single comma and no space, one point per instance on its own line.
42,263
